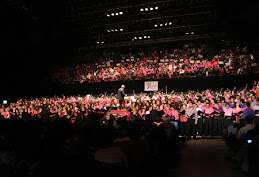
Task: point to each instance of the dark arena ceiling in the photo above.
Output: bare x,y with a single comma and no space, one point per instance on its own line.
102,24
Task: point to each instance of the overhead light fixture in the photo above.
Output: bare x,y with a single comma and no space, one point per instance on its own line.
108,31
135,38
102,42
112,14
140,37
112,30
151,8
141,10
156,8
155,25
170,23
192,32
116,30
165,24
148,37
161,24
146,9
121,29
187,33
116,13
108,15
145,37
98,42
121,13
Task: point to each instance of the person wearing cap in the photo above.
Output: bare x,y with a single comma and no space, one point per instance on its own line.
121,95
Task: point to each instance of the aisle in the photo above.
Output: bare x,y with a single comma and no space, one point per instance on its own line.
205,158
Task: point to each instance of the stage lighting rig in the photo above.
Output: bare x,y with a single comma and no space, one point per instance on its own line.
115,30
113,14
146,9
141,37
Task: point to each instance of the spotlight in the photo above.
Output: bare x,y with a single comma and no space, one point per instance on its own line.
98,42
112,14
102,42
165,24
116,30
170,23
141,10
108,31
135,38
108,15
140,37
121,29
116,13
187,33
112,30
146,9
161,24
151,8
148,37
145,37
121,13
192,32
156,8
155,25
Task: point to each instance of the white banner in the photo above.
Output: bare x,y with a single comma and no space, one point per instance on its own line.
151,86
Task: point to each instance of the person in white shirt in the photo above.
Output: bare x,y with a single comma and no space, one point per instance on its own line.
199,111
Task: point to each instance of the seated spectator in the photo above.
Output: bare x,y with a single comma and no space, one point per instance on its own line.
232,127
110,155
249,125
251,134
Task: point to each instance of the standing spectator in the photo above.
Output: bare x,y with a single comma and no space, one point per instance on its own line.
208,116
256,108
121,95
248,110
192,119
217,120
228,113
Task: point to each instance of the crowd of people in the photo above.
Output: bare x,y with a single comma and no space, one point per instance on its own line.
160,64
42,128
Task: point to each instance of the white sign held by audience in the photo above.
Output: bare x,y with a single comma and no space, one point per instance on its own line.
151,86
